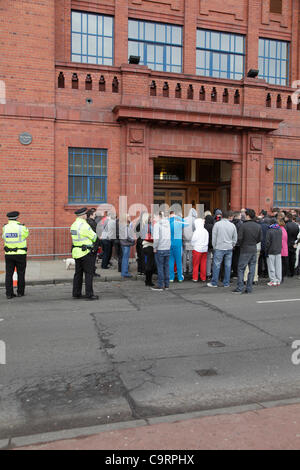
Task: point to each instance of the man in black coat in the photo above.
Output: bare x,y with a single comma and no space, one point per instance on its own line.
236,220
292,229
249,236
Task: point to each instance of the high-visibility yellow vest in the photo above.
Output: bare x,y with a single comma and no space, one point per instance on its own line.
14,235
83,238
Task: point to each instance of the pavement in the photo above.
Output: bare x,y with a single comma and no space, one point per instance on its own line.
267,428
55,272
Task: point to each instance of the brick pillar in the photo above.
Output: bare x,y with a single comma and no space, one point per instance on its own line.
236,186
189,38
254,14
295,43
137,169
121,32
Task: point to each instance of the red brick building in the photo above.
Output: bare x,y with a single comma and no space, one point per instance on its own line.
186,123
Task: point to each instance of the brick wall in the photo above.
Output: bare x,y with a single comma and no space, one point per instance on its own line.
27,67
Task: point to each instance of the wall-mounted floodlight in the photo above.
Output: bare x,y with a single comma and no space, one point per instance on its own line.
134,59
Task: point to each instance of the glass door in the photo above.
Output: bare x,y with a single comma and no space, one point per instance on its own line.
173,199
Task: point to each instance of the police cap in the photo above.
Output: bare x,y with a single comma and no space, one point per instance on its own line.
81,211
13,215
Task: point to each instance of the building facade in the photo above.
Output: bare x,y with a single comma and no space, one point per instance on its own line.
80,125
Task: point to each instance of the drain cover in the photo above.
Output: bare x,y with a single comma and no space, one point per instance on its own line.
207,372
216,344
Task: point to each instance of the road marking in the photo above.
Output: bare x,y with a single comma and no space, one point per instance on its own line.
276,301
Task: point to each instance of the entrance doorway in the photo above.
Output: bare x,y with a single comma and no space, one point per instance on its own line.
208,199
170,197
184,180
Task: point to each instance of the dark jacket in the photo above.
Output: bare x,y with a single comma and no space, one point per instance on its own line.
92,223
264,223
249,236
292,230
209,225
274,240
237,223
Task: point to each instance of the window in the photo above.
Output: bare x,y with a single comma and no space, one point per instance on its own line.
273,61
92,38
87,175
276,6
220,55
158,45
170,169
287,183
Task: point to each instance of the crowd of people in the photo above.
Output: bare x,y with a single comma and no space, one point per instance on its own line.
217,247
212,248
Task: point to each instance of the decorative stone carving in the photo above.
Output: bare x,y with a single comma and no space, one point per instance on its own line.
174,4
254,157
256,144
136,136
208,7
135,151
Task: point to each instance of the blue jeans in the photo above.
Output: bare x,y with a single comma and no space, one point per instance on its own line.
162,258
176,257
219,255
125,261
246,259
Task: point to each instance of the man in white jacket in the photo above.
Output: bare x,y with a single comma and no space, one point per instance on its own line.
200,248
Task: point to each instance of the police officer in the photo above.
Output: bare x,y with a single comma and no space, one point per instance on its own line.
15,246
83,238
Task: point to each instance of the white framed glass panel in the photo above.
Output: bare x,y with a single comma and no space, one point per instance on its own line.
84,22
176,35
84,44
228,63
201,38
92,45
107,61
150,53
160,33
225,42
94,39
133,29
108,26
76,22
157,43
159,50
76,43
92,24
100,25
176,56
239,44
274,61
215,41
107,44
149,31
